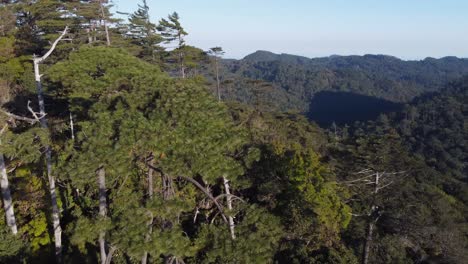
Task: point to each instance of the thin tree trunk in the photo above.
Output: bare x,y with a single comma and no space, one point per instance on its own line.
370,231
50,177
72,129
90,38
104,19
182,66
150,178
144,259
6,195
110,255
181,56
229,206
218,85
372,222
102,211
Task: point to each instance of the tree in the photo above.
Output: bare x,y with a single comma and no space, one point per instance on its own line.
378,181
217,53
172,31
189,135
5,188
52,179
144,34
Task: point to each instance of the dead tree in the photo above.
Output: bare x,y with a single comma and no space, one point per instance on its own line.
378,181
53,194
229,206
101,173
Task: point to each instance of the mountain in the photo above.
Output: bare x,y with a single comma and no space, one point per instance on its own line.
287,82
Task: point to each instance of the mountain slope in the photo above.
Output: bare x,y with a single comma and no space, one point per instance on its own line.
288,82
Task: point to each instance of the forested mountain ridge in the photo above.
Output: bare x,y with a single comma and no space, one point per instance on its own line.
435,127
294,80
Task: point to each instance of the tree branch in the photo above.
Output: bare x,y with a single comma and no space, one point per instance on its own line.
37,119
41,59
199,186
17,117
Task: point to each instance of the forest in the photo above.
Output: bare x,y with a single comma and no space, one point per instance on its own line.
122,143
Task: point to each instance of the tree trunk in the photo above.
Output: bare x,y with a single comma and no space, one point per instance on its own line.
104,19
229,206
72,129
372,221
150,178
182,66
102,211
218,85
50,177
6,195
144,259
367,245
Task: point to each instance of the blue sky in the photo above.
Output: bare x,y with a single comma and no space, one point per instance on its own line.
409,29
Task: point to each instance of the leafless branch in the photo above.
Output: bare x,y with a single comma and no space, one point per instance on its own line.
41,59
17,117
36,117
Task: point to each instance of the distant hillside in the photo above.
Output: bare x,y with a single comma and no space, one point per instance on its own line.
289,82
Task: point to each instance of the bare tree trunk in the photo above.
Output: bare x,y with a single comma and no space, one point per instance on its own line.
150,178
90,38
51,178
370,231
144,259
102,211
110,255
182,66
72,129
372,221
6,195
218,85
181,55
229,206
104,19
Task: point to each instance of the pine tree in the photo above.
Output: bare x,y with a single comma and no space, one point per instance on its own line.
144,34
172,31
141,112
216,53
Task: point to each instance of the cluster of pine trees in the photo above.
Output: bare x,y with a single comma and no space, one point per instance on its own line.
113,149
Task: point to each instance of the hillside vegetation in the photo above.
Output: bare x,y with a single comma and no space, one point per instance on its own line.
117,149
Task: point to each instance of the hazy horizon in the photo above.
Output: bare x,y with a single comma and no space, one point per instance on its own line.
408,30
346,55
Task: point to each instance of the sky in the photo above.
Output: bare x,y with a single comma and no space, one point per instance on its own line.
408,29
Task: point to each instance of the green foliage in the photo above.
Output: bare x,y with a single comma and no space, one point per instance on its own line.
258,234
296,80
143,34
290,184
311,193
11,246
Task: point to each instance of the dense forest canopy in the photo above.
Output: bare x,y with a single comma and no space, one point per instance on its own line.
296,80
115,148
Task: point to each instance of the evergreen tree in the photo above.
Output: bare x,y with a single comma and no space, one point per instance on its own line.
216,53
172,31
144,34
